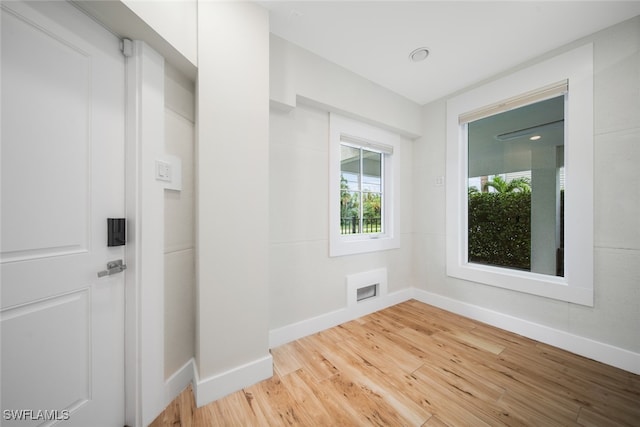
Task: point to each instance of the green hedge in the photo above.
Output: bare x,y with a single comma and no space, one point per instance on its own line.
500,229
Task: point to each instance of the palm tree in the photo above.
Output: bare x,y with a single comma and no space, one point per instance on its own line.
501,186
497,183
522,184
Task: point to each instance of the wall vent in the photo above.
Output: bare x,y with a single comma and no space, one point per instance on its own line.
367,292
366,286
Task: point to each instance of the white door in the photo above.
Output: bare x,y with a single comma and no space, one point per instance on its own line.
62,327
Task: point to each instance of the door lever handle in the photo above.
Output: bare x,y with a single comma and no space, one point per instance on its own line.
113,267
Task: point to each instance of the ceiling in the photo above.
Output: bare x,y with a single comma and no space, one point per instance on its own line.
468,41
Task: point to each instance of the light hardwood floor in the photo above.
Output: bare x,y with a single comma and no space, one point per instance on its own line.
413,364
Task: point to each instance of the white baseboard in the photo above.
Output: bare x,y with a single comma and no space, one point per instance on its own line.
310,326
179,381
601,352
217,386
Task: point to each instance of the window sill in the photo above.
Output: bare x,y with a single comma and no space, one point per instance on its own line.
523,281
362,244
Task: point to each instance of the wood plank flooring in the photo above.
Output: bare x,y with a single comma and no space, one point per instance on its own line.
415,365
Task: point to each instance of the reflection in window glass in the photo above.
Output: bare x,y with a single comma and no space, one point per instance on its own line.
361,194
516,188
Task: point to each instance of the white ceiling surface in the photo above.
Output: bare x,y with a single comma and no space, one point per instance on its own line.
469,41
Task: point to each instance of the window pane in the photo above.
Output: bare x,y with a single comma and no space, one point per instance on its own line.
350,167
349,212
360,191
516,188
372,171
372,213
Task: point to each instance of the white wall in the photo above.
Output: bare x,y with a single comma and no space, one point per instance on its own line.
615,319
169,27
179,224
296,73
175,21
307,288
304,281
232,198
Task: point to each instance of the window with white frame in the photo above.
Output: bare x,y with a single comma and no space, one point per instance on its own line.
364,187
529,135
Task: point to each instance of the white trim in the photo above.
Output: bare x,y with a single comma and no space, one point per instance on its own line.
218,386
132,249
319,323
551,91
144,311
576,66
340,127
356,141
372,277
601,352
179,381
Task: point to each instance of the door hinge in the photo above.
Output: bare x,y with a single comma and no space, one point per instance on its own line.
126,47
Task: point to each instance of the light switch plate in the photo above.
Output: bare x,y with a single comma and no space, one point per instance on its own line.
169,171
163,170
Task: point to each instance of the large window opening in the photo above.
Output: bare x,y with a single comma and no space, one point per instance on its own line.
520,180
515,188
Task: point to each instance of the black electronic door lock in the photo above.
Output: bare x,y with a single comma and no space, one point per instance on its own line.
116,231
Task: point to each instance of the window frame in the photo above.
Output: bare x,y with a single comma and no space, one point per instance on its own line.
355,133
575,66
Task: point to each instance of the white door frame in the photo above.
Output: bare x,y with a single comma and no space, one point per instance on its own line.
144,292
